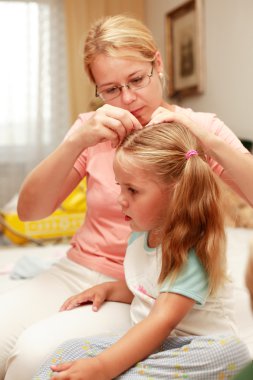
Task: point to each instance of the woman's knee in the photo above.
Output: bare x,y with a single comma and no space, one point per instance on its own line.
31,349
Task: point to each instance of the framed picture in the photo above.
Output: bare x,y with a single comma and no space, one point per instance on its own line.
184,49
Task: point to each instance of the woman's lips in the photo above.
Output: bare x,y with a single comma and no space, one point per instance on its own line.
127,218
137,112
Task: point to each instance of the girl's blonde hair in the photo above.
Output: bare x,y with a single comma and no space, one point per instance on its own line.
194,210
118,36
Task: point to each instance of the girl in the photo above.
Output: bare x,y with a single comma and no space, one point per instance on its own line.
175,272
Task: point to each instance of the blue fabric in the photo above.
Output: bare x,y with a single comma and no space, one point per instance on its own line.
134,236
29,267
192,280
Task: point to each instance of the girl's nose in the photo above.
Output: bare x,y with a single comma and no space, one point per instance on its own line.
122,201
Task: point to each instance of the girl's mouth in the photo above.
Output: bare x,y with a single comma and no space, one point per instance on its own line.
127,218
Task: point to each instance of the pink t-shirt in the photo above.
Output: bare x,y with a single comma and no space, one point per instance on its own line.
100,243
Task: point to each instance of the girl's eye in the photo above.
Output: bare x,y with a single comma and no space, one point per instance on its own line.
132,191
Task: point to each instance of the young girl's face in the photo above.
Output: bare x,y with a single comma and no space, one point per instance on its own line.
112,71
142,199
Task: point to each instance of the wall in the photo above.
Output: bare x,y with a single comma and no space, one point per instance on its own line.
228,36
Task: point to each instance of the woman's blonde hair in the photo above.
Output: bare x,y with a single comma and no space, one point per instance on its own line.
118,36
194,210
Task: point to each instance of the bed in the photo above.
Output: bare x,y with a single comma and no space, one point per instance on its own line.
237,250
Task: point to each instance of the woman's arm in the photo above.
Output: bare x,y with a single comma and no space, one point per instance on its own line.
55,177
138,343
238,166
48,184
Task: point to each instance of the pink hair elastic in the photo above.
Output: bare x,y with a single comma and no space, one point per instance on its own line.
190,153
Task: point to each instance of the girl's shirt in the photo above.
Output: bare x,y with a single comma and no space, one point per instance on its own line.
209,315
100,243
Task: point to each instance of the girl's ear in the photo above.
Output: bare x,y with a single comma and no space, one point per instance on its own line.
158,62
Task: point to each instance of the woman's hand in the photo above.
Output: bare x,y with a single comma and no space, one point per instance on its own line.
161,115
235,165
108,123
82,369
95,295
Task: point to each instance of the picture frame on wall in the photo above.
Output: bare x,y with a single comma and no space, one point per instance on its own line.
184,49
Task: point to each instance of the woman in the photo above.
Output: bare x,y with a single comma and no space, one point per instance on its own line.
122,60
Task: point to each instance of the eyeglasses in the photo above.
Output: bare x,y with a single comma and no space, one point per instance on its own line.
134,84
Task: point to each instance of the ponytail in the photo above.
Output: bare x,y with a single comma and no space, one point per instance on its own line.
195,220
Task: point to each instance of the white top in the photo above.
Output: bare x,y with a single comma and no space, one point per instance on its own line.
210,315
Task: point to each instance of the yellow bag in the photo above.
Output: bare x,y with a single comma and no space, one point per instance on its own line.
63,223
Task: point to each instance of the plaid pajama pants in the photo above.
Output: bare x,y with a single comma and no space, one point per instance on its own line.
190,358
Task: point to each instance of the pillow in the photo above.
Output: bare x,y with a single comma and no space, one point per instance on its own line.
238,246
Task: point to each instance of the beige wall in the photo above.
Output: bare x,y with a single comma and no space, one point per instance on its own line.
228,41
79,15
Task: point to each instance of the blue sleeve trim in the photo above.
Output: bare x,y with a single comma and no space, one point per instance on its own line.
134,236
191,282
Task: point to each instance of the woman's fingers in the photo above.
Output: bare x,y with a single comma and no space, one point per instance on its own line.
119,121
108,123
161,115
127,120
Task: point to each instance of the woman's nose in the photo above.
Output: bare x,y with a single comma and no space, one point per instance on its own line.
127,95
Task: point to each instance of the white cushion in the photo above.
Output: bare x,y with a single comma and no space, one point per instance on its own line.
237,253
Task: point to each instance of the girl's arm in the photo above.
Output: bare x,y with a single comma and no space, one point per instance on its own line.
146,336
138,343
108,291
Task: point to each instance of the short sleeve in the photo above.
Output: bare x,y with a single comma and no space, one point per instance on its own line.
191,282
81,162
